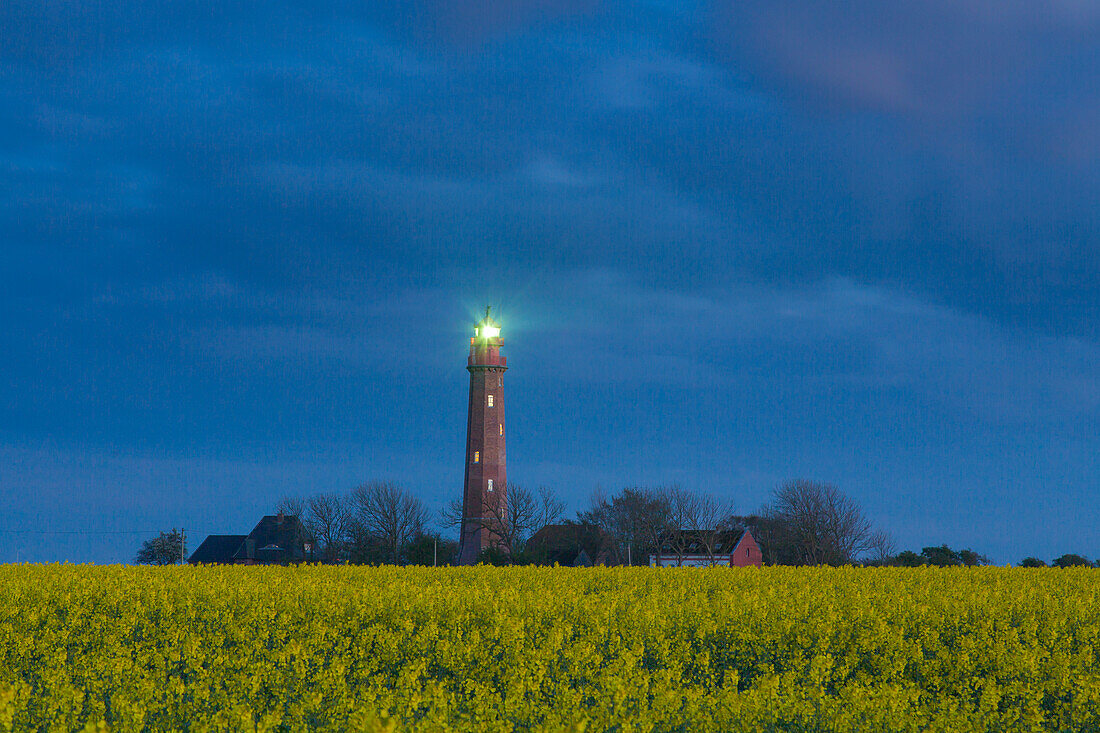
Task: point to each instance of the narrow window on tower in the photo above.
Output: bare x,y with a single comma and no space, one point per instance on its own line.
477,456
490,400
501,426
490,484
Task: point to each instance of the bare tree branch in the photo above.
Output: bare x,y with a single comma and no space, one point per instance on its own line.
551,509
451,514
637,520
513,521
708,519
291,506
389,514
677,535
818,523
881,546
327,520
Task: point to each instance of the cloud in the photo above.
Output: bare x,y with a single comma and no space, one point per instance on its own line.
935,58
836,334
946,167
216,215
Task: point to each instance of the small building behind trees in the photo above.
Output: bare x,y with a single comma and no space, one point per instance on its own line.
569,544
278,539
737,549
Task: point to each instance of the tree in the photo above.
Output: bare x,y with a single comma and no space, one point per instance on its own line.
636,520
881,547
708,519
327,518
551,509
941,557
1032,562
677,536
970,558
772,536
525,514
1071,561
430,549
514,521
451,514
387,514
292,506
818,524
166,548
909,559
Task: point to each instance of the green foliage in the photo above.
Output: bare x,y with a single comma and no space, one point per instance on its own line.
1071,561
497,557
970,558
167,548
1032,562
941,557
908,559
430,549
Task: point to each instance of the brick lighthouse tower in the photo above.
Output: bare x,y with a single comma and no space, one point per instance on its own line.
484,498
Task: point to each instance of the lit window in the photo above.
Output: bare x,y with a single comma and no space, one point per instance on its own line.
501,426
477,456
490,400
490,484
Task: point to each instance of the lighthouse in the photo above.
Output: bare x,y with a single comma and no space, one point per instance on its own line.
484,496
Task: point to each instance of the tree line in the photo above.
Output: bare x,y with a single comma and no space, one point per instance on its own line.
376,522
803,523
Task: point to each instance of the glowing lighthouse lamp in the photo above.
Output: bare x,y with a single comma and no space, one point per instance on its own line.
485,492
487,332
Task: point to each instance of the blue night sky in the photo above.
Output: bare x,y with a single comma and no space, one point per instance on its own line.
243,244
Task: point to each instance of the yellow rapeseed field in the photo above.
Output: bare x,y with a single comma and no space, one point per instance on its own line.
501,649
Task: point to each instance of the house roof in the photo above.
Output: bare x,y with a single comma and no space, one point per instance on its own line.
560,543
275,538
556,537
726,544
217,548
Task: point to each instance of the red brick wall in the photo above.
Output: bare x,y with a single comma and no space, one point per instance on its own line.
747,552
485,437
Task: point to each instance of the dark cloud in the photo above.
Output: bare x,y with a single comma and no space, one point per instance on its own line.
229,225
969,113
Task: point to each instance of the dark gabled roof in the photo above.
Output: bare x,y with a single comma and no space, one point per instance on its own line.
561,543
217,548
277,538
727,543
556,537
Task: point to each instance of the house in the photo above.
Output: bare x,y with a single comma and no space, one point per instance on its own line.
733,548
277,539
216,549
569,544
